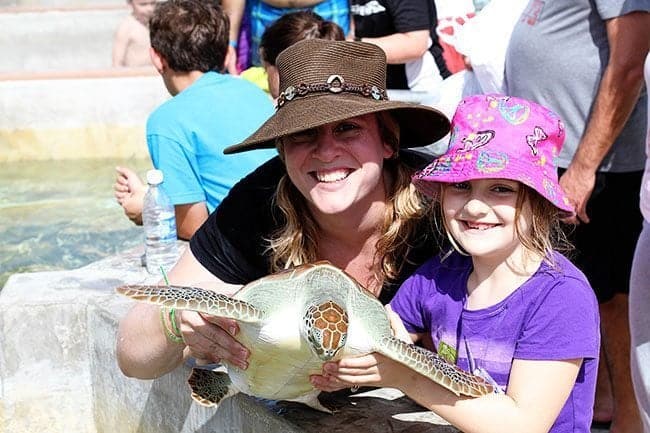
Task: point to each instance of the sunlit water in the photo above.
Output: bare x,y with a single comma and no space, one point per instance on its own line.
61,215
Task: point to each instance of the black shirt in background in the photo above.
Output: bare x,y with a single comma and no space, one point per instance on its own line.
377,18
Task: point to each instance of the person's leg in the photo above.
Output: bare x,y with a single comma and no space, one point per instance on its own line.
640,324
615,335
605,248
604,402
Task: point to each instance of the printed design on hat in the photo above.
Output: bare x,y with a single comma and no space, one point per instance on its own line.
453,134
514,113
560,128
533,139
439,166
487,162
549,188
476,139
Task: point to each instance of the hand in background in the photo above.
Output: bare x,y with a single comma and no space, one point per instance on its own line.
129,191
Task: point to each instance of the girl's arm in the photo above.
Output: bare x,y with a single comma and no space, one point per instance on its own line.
143,349
537,391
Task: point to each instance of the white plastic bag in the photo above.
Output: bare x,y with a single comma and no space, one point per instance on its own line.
484,39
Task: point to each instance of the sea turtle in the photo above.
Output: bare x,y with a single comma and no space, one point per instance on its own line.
292,322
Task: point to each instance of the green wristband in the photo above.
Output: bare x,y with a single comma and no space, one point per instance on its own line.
172,320
168,333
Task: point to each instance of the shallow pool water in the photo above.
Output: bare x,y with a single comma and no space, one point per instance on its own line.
61,215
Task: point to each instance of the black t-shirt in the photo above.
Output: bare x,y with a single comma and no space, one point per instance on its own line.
377,18
232,243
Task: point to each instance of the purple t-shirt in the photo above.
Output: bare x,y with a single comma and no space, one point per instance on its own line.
552,316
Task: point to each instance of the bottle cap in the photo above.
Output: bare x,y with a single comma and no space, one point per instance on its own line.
154,177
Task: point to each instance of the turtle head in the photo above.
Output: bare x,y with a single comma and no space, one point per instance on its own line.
326,328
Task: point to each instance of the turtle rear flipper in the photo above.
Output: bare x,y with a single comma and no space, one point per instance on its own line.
434,367
210,387
195,299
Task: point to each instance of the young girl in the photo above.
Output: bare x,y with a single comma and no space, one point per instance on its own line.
501,303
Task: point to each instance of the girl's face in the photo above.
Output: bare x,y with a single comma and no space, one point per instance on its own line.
481,217
338,166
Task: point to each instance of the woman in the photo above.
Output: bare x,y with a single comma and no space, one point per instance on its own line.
340,191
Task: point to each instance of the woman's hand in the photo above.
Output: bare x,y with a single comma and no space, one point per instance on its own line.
211,339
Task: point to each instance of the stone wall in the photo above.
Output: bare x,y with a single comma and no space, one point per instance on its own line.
58,40
90,117
58,371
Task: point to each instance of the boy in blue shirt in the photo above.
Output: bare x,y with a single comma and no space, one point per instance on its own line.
209,110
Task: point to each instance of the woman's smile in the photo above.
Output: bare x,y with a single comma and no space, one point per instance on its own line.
330,176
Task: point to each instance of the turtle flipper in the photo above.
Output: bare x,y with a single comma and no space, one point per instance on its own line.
434,367
193,298
210,387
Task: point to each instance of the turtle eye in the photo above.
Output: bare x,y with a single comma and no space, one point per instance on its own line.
326,326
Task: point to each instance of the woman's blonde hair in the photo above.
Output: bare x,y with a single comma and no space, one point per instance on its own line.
545,234
296,242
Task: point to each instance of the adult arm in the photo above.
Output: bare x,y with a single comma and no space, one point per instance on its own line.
537,391
402,47
143,350
189,217
618,92
235,11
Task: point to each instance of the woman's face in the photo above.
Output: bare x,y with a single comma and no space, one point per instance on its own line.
338,166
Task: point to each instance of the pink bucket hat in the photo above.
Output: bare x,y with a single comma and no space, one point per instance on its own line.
503,137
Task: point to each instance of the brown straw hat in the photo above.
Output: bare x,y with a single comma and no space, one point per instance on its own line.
327,81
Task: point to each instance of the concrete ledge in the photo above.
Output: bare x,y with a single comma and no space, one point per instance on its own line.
98,117
58,371
55,40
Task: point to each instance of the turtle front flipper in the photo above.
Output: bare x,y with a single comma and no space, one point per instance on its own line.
434,367
210,387
193,298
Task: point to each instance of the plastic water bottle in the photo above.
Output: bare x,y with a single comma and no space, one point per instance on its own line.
159,223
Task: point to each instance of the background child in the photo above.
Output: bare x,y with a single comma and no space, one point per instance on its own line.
131,40
502,303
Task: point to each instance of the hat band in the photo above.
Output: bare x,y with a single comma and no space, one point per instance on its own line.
335,84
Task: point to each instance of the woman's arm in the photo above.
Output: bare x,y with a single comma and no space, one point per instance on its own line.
537,391
144,351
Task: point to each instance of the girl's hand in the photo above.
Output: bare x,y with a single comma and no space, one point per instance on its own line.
368,370
397,326
211,339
